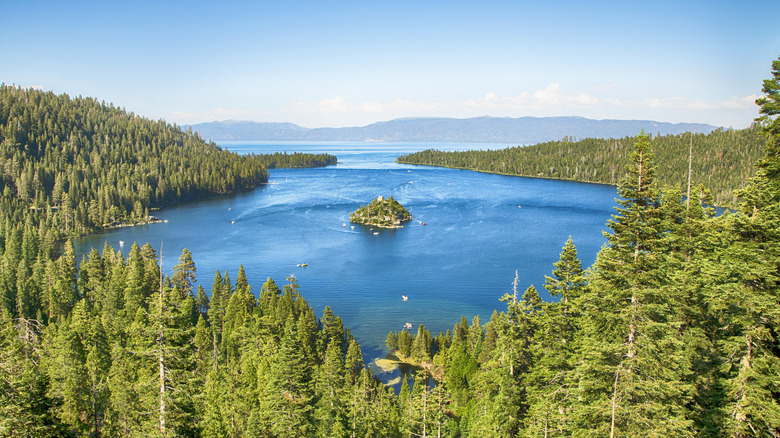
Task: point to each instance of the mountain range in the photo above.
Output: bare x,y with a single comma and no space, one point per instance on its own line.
522,130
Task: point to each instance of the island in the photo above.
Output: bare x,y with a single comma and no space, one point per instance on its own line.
381,212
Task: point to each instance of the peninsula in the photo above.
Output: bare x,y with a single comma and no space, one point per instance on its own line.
381,212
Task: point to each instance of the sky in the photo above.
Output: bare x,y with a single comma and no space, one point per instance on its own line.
345,63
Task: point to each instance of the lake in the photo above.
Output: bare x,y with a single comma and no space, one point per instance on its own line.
480,229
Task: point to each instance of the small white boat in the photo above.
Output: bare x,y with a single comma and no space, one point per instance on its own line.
404,297
353,227
376,233
121,243
408,325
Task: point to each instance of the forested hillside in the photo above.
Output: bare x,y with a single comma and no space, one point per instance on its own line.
722,160
296,159
485,129
115,350
74,165
673,332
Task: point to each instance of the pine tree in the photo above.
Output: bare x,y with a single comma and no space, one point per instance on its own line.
746,273
286,403
332,328
202,303
63,294
71,380
353,362
204,346
421,344
98,365
632,379
91,278
134,293
330,384
26,292
370,409
551,380
124,415
237,313
213,423
164,342
217,312
184,273
308,334
25,406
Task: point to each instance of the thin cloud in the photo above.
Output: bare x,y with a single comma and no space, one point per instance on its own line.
218,114
678,103
549,101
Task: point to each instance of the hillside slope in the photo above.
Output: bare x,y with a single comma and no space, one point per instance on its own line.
522,130
78,164
723,160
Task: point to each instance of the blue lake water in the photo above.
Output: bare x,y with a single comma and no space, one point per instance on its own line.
481,228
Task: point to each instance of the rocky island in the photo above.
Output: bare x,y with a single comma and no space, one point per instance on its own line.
381,212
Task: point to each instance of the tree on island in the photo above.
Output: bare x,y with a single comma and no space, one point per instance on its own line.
381,212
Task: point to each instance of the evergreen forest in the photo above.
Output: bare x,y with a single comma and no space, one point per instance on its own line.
673,332
71,166
381,212
722,160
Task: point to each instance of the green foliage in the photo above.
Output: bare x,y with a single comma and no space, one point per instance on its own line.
165,374
722,160
296,159
381,212
78,165
672,332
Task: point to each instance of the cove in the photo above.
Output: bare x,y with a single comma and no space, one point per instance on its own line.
480,229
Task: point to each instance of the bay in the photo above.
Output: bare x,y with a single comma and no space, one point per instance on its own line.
479,230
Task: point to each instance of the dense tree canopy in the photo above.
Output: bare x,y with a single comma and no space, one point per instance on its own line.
722,160
381,212
74,165
672,332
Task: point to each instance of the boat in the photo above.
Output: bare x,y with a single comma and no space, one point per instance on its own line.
376,233
404,297
408,325
353,227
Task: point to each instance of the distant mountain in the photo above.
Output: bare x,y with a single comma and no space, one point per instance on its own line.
245,130
522,130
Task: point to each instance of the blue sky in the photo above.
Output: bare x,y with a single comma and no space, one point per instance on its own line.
353,63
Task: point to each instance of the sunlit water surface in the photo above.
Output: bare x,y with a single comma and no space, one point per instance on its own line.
480,229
